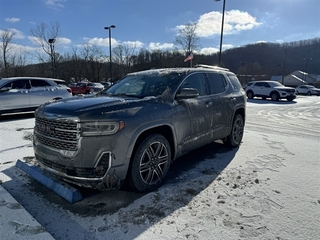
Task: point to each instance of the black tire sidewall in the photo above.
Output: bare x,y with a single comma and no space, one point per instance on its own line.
230,140
135,180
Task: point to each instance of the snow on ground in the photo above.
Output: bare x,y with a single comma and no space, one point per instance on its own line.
266,189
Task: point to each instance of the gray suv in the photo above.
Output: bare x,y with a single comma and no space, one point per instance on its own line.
132,132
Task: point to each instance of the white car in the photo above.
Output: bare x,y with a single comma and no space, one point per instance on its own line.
269,89
308,90
95,87
22,94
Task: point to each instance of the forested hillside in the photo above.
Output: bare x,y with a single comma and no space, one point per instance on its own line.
267,59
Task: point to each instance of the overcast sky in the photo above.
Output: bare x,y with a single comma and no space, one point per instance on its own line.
153,24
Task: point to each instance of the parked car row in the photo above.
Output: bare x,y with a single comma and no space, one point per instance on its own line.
86,88
23,94
277,91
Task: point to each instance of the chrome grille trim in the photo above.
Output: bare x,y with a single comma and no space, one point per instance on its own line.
62,134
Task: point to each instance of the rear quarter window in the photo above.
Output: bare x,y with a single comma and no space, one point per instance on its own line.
235,82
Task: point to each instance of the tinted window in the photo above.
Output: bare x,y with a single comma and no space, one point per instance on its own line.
17,84
39,83
258,84
234,81
217,83
197,81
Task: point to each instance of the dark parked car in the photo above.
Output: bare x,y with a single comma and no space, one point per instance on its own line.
22,94
135,129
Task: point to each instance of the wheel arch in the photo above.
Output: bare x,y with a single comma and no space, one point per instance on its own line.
164,130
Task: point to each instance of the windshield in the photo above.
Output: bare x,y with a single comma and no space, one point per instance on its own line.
276,84
143,85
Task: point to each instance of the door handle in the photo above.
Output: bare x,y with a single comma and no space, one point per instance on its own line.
208,104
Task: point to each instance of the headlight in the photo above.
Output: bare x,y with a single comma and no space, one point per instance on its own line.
101,128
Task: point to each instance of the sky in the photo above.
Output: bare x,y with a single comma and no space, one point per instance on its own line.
154,24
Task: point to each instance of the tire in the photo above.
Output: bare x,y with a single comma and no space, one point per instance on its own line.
150,163
235,137
290,99
309,93
250,95
274,96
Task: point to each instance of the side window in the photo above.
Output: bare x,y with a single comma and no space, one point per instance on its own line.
20,84
197,81
39,83
266,85
235,82
258,84
217,83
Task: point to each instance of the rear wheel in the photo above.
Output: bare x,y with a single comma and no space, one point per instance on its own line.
309,93
274,96
150,163
235,137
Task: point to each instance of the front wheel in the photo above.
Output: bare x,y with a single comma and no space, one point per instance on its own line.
309,93
150,163
250,95
235,137
274,96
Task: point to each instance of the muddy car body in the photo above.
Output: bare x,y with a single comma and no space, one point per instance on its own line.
137,127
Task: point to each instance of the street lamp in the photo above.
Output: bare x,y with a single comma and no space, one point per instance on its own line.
51,42
109,28
221,35
307,60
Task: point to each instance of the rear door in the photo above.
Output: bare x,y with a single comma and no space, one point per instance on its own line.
15,95
41,91
223,103
197,129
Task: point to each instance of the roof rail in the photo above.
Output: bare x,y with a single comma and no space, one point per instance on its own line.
212,67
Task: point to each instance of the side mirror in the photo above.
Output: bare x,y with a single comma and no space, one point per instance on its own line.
186,93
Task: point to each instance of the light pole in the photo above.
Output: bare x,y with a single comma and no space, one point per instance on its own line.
109,28
221,35
307,60
51,42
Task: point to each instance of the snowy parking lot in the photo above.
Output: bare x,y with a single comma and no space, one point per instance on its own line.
268,188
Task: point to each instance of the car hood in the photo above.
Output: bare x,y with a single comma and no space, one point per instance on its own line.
284,88
92,107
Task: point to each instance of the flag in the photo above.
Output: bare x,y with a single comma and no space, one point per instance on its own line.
189,57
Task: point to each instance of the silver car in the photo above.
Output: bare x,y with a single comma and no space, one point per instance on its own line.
21,94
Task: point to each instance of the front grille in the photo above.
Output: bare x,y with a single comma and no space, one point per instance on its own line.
290,90
59,134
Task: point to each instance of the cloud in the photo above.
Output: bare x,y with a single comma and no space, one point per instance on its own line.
133,44
12,20
55,4
208,51
64,41
102,42
160,46
17,34
235,21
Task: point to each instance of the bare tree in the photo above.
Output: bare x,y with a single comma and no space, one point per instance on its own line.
122,56
93,56
47,38
6,37
188,39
